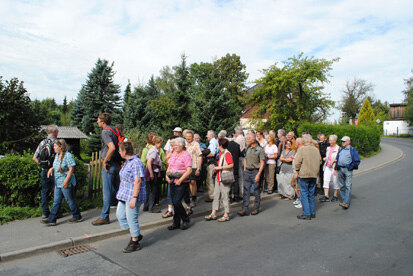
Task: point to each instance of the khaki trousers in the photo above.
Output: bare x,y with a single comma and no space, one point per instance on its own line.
210,180
270,175
221,193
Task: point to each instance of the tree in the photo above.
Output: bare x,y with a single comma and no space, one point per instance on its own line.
64,107
99,94
355,93
126,95
408,93
293,93
366,115
19,124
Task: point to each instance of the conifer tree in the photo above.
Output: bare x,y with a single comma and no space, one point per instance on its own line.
366,113
181,97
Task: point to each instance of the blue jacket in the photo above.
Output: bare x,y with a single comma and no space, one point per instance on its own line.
355,159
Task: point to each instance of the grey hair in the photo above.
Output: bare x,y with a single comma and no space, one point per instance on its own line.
180,141
334,137
252,133
191,132
222,134
197,134
51,129
281,131
212,132
239,130
307,138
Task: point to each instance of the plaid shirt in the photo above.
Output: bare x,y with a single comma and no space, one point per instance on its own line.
132,168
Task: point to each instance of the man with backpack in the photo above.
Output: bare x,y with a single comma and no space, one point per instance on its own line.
44,156
111,165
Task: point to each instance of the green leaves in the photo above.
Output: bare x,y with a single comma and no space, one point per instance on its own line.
366,115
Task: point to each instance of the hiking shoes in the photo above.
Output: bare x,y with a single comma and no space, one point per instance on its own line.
48,222
132,246
101,221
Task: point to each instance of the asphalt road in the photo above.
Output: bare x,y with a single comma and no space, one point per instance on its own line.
373,237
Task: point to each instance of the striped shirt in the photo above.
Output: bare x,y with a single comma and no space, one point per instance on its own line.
132,168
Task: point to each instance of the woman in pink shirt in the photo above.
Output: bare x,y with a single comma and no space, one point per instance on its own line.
179,169
330,163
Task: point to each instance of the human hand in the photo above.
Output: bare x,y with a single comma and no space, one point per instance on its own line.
335,173
257,178
105,164
197,172
132,203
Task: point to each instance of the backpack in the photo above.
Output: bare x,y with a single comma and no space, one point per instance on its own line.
117,133
46,154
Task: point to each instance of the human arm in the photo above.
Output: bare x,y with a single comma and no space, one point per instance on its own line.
68,177
198,170
111,151
261,169
149,167
298,161
50,172
136,189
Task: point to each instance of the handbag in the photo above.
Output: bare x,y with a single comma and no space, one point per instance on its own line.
227,176
278,168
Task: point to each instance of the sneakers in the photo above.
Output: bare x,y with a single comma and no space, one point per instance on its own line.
334,199
270,192
132,246
48,222
297,201
325,199
100,221
304,217
193,203
298,205
72,220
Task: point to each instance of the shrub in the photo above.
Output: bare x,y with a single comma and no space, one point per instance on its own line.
365,138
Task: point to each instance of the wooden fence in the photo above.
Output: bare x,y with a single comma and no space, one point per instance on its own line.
95,175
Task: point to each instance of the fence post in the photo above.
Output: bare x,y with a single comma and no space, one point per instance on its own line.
90,186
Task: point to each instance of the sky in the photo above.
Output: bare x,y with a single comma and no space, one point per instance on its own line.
52,45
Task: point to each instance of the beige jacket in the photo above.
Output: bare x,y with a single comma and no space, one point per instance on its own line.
307,162
333,156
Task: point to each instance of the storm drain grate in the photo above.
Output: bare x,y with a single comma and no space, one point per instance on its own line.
74,250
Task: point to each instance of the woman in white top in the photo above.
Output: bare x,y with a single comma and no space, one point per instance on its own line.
329,165
271,154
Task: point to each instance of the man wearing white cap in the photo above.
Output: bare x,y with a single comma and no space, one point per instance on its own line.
177,132
347,160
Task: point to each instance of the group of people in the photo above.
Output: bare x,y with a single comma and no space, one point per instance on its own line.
233,166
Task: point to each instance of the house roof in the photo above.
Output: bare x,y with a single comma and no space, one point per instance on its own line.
397,105
249,111
68,132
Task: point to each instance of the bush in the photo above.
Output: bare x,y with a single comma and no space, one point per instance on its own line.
365,138
20,182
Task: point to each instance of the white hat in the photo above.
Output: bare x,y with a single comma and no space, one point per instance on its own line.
177,129
345,139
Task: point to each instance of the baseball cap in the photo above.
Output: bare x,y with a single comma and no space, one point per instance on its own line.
177,129
345,139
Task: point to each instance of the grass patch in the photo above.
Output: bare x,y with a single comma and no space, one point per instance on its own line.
370,154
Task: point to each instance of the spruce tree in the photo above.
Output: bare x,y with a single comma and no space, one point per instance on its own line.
181,97
126,95
366,113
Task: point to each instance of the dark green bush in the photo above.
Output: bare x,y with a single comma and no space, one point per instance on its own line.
365,138
20,182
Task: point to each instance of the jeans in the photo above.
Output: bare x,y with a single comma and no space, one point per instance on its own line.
68,193
241,176
47,185
169,196
177,194
129,218
307,188
345,180
110,181
152,188
249,180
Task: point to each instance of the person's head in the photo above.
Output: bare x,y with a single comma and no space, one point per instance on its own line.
210,135
299,142
251,131
290,135
271,139
177,131
149,138
121,129
179,144
184,132
288,144
307,138
104,119
238,131
322,137
60,146
265,132
260,135
157,142
197,137
52,130
332,140
346,141
272,132
189,136
250,138
223,144
222,134
281,133
126,149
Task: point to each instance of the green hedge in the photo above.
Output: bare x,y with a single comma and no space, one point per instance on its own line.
20,182
365,138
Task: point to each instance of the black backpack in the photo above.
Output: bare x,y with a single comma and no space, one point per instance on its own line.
46,154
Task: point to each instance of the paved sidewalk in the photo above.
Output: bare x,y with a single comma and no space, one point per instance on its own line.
25,237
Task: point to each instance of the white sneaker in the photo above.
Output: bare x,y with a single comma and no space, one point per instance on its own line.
298,205
297,201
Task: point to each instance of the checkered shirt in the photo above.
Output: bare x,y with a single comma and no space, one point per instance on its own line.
132,168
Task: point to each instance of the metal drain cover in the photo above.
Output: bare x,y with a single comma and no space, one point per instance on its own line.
74,250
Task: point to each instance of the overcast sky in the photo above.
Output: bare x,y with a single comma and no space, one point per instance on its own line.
52,45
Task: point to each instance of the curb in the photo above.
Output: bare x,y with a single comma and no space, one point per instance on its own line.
401,156
82,240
